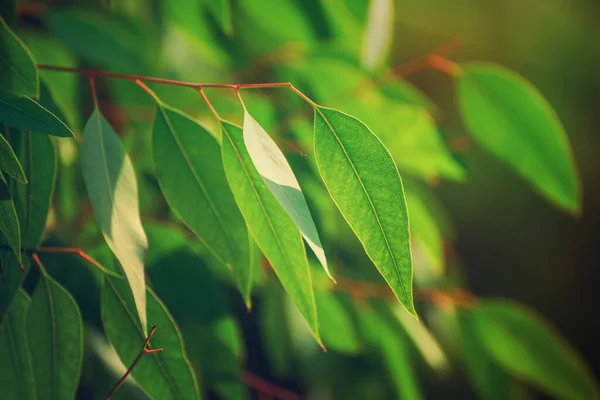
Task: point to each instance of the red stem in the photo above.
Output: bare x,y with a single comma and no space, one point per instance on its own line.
267,388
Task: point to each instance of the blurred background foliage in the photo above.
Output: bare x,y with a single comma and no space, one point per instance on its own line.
500,238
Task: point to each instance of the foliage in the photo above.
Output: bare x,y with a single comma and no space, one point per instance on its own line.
185,217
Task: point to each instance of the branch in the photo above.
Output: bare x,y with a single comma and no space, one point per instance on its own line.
270,389
143,351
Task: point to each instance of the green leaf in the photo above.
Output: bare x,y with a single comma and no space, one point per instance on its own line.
379,33
164,375
9,221
55,339
270,225
336,325
278,176
524,344
18,73
25,113
9,162
16,376
190,172
364,182
110,180
221,10
13,277
512,120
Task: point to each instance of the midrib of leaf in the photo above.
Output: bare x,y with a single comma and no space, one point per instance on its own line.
204,191
396,267
14,355
267,217
16,72
155,356
28,162
54,341
489,94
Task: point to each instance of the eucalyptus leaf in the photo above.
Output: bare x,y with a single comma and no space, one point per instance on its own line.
337,327
164,375
111,184
364,182
270,225
13,277
55,339
9,162
524,344
189,169
9,221
26,113
16,375
18,74
278,176
511,119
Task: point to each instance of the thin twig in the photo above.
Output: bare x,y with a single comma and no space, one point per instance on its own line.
142,352
267,388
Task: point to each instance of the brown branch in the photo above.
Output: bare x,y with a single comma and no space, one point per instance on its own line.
267,388
142,352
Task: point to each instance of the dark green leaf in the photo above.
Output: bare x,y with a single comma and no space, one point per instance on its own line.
25,113
527,346
364,182
13,277
278,176
18,73
165,375
270,225
16,376
9,221
513,121
9,162
55,339
111,184
190,172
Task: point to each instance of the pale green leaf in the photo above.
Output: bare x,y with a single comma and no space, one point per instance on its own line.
189,169
9,221
512,120
25,113
270,225
55,339
524,344
364,182
379,33
9,162
18,73
16,375
111,184
164,375
278,176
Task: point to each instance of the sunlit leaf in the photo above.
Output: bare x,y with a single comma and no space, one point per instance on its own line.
527,346
18,74
512,120
190,172
270,225
16,376
278,176
55,339
364,182
111,184
163,375
9,221
9,162
379,33
25,113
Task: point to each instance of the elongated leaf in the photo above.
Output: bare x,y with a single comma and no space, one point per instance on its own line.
25,113
338,329
364,182
55,339
16,376
18,73
379,33
281,181
513,121
9,162
13,277
270,225
9,221
190,172
165,375
112,187
525,345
